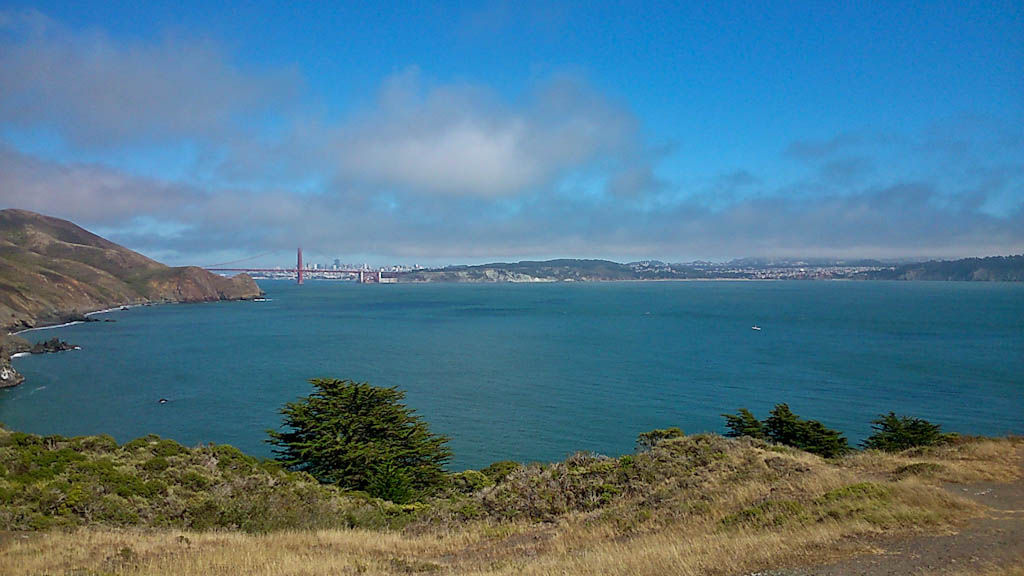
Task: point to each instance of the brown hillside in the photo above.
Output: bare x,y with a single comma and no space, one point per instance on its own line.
51,269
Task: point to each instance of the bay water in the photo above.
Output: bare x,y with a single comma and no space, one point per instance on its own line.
534,372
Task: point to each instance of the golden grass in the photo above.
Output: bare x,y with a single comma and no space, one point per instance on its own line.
676,551
762,509
965,461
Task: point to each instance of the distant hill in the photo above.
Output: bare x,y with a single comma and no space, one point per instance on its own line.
992,269
564,270
999,268
52,270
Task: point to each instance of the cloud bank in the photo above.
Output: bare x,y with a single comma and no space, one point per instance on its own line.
433,172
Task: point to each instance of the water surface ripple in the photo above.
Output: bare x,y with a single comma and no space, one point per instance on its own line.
534,372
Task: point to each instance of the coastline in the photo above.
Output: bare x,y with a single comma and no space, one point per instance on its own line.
10,377
85,315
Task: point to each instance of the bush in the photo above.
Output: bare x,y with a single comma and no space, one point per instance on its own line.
156,464
649,440
498,471
361,437
896,433
168,448
56,482
470,481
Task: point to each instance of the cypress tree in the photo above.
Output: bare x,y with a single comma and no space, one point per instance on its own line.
361,437
743,423
894,433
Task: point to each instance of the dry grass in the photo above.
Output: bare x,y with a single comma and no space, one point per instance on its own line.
753,508
963,461
676,551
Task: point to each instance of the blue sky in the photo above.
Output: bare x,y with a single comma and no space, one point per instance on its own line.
468,132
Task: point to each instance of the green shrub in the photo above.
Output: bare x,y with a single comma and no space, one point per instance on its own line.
56,482
894,433
470,481
103,443
917,469
136,444
866,500
648,440
156,464
231,458
768,513
498,471
859,490
194,481
23,439
167,448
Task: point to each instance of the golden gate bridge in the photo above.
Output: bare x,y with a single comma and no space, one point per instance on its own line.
363,275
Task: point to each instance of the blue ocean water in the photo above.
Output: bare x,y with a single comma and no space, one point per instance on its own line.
533,372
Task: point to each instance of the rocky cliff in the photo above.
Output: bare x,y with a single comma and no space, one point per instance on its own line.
10,344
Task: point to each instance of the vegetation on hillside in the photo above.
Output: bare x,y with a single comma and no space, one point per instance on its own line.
996,268
991,269
54,481
784,427
701,504
361,437
894,433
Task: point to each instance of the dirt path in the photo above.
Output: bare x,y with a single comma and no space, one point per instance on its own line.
996,539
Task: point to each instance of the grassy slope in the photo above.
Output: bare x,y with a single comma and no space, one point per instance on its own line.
695,505
50,268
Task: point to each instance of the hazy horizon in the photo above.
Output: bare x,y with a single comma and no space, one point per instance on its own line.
445,134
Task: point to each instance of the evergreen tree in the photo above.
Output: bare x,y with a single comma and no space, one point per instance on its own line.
785,427
361,437
782,426
816,438
743,423
894,433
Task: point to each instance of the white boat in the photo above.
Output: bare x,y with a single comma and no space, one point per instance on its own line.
758,328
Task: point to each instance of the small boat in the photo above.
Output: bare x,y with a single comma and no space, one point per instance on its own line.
758,328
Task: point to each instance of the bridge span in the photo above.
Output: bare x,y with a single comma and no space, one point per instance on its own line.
363,275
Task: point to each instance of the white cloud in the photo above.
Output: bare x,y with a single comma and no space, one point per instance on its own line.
463,140
102,93
87,192
451,171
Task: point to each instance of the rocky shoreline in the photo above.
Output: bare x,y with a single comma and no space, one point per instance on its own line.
12,345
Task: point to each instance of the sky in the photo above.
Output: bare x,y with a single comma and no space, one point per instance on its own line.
450,132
